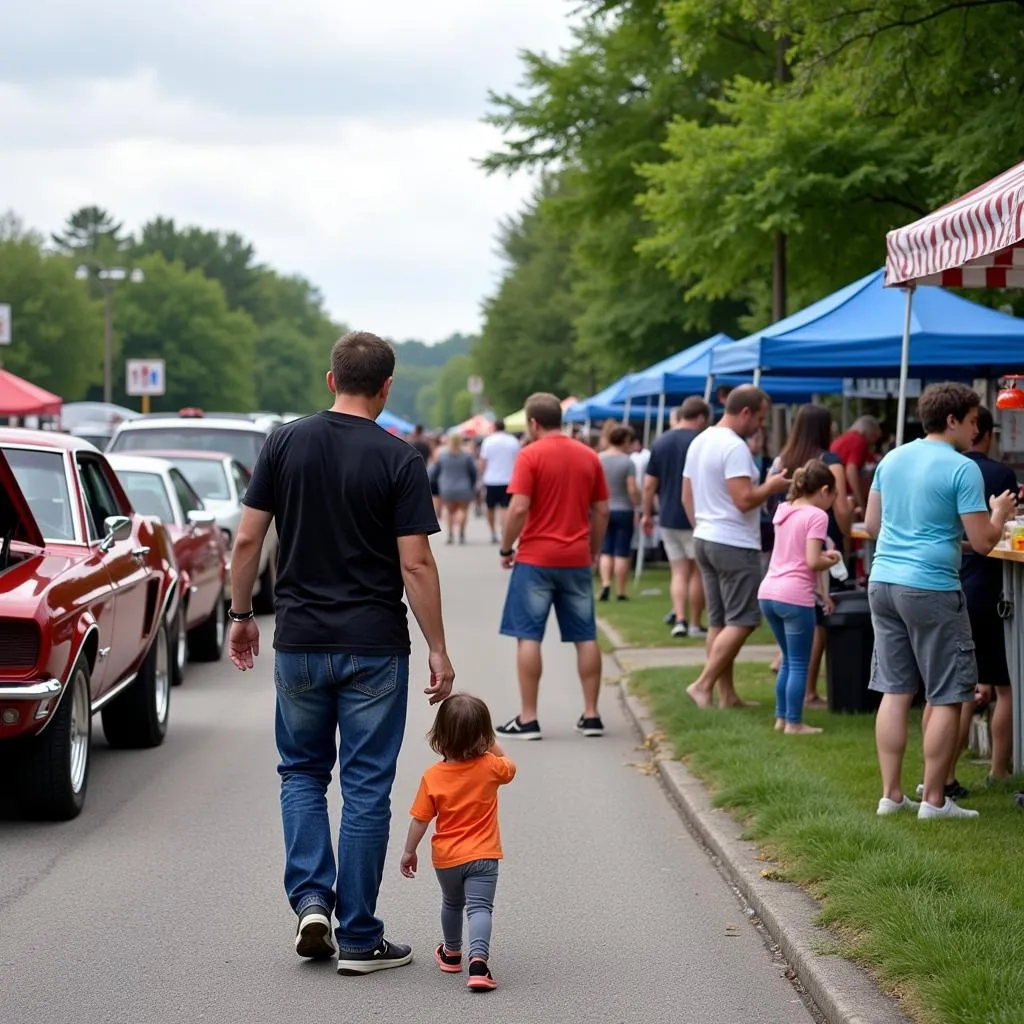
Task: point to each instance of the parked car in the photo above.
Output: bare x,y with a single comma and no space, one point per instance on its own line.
88,601
157,488
97,434
240,437
221,482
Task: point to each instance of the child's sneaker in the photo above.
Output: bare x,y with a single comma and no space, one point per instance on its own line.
450,963
480,979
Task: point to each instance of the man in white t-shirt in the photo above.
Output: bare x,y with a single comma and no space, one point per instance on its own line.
497,457
722,498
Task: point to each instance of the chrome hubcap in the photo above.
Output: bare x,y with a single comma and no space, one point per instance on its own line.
80,712
163,675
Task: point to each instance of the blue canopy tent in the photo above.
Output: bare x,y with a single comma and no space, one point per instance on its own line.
389,421
607,404
859,331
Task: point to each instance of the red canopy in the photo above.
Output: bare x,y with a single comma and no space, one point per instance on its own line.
976,241
20,398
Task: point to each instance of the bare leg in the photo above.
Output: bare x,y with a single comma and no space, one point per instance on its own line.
891,741
679,568
621,575
963,737
940,740
588,664
1002,733
696,593
492,520
814,667
528,664
721,655
449,511
604,567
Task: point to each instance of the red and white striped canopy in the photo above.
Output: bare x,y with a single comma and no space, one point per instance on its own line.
976,241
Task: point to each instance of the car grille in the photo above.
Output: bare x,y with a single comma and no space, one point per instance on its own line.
19,644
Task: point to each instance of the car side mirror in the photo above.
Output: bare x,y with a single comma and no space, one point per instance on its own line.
118,528
200,517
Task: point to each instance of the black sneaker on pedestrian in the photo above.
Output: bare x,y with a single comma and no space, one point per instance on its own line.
606,592
622,597
514,729
380,958
590,726
313,937
956,791
670,619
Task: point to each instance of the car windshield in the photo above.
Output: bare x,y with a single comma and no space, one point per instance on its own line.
244,445
42,480
147,494
207,477
100,440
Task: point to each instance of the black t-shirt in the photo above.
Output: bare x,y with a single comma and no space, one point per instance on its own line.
342,491
668,457
423,447
982,577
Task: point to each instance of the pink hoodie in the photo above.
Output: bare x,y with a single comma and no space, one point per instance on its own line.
789,579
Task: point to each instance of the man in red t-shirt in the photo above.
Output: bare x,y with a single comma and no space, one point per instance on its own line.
853,448
559,512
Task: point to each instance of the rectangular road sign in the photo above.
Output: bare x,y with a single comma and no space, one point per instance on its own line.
144,377
5,324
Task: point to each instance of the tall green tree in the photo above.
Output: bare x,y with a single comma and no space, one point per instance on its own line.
91,234
452,403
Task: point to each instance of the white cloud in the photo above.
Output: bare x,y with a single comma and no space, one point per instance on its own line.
338,139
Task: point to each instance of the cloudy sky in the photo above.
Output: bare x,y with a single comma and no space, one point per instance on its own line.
338,136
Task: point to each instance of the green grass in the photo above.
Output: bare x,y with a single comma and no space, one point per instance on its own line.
934,910
640,620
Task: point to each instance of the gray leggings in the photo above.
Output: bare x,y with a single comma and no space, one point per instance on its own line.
468,887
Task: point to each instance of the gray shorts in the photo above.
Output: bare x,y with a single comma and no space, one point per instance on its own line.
922,636
731,577
678,544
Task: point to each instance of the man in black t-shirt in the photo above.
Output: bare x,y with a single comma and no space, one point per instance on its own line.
354,514
419,441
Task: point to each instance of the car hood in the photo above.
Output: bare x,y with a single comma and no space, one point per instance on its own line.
14,510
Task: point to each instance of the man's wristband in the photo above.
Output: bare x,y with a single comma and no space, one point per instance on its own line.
241,616
507,552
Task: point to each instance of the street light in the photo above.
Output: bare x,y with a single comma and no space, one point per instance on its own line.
108,275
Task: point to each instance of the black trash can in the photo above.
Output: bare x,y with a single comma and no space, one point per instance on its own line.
849,644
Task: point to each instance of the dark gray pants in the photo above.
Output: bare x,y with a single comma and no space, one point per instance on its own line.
470,888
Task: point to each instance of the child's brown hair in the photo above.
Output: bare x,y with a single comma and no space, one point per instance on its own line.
810,478
462,729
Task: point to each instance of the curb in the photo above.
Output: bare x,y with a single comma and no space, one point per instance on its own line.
842,992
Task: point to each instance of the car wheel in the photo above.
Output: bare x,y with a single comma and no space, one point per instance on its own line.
180,649
51,770
206,641
263,602
138,717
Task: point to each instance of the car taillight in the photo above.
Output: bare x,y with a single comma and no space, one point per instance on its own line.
19,643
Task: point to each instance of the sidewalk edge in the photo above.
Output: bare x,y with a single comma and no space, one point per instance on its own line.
843,992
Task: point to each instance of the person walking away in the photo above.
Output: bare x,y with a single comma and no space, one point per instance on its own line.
809,438
460,793
421,443
623,498
559,513
354,516
854,448
497,458
798,567
664,479
924,497
722,498
456,485
758,445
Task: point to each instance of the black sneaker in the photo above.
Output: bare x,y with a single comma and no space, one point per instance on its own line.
590,726
606,593
480,979
956,791
380,958
670,619
622,597
313,936
514,729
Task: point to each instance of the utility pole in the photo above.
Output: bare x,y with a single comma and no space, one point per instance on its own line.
107,276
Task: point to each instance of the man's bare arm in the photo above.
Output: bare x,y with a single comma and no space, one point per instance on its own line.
691,515
515,519
853,481
245,556
650,490
746,497
598,525
423,587
873,514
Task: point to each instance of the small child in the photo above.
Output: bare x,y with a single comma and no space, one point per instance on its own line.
787,591
461,791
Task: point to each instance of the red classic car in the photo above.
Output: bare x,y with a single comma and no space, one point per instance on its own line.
157,488
88,599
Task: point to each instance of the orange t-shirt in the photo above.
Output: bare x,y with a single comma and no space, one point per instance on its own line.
562,478
463,796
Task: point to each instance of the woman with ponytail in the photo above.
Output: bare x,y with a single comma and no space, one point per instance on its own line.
787,592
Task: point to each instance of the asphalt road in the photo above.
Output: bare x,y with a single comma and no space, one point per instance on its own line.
163,902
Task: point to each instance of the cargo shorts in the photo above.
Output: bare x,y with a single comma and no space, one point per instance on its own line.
922,637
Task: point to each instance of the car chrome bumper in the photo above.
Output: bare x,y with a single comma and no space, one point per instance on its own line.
31,691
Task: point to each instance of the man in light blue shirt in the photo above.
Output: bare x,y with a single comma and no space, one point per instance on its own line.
924,497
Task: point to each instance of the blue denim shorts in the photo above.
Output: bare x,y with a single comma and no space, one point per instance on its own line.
533,591
618,538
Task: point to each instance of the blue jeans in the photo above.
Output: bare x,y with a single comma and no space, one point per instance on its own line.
793,626
533,591
362,698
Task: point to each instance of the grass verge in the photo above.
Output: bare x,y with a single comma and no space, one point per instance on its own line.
932,909
641,619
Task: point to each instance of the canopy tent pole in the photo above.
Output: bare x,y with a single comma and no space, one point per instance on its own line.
709,385
844,418
904,368
660,429
625,411
757,377
647,423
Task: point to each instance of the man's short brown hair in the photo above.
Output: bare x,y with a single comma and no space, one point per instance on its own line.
940,401
693,408
546,409
361,363
746,396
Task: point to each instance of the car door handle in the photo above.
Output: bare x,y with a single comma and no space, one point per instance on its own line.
104,651
140,552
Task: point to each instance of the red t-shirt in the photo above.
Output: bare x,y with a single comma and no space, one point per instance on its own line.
562,478
852,448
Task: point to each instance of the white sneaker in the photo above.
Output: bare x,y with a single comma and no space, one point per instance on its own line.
887,806
697,633
948,810
679,630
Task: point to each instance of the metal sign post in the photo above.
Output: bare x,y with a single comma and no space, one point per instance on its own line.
143,378
5,325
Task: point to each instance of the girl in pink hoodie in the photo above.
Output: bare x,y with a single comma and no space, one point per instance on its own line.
787,591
